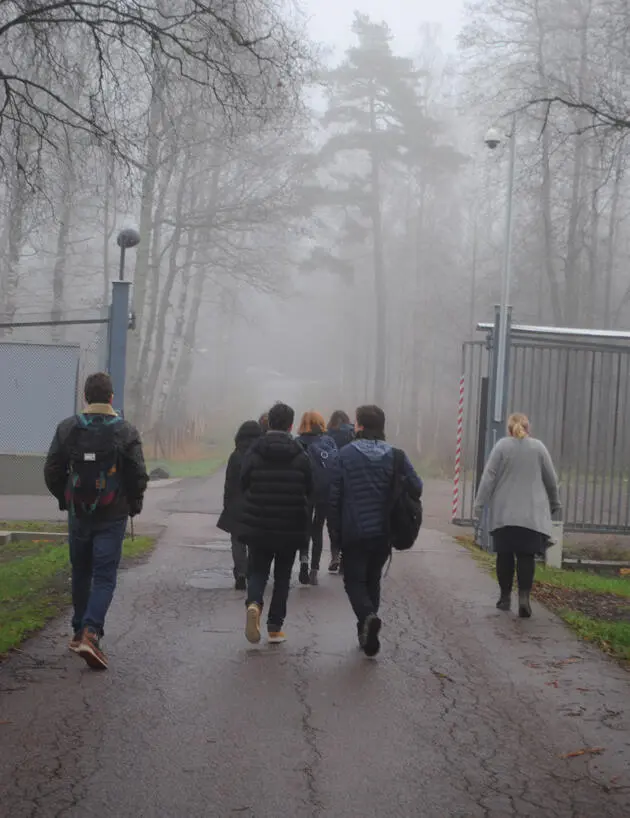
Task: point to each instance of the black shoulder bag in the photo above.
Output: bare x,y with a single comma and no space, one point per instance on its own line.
405,511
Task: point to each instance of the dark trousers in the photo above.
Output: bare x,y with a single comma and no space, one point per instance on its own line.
318,519
363,564
335,550
525,567
95,552
260,559
239,557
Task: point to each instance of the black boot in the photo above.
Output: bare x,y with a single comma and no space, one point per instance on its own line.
505,601
524,606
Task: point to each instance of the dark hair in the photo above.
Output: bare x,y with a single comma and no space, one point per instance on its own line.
372,419
281,417
250,430
98,388
337,419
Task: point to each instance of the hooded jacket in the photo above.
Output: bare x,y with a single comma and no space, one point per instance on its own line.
361,491
277,481
343,435
232,492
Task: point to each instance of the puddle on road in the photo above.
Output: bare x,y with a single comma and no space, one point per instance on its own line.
212,579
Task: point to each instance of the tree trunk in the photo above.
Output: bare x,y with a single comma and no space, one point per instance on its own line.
554,287
173,269
155,262
109,212
380,291
573,277
13,240
611,239
176,349
61,255
156,109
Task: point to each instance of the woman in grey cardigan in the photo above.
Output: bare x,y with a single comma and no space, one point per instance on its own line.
520,486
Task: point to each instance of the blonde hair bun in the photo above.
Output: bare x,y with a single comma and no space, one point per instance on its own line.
518,426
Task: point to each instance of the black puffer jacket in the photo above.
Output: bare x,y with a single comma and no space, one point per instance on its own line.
132,469
277,480
232,492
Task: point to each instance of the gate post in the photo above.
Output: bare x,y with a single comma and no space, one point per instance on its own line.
117,347
495,428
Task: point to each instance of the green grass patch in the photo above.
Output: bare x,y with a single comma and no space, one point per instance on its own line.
612,637
188,468
35,585
34,525
584,581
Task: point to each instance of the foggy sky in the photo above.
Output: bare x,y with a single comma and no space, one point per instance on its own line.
330,20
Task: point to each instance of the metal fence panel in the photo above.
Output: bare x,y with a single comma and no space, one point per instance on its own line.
39,384
576,399
577,396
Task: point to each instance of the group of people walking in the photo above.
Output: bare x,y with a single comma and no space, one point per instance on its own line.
281,490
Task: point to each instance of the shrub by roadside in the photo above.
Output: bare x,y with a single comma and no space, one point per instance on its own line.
596,607
34,582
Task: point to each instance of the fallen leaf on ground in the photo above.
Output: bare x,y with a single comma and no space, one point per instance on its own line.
5,721
552,684
570,661
585,751
584,689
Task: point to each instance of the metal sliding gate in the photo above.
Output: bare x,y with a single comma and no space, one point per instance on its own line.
575,388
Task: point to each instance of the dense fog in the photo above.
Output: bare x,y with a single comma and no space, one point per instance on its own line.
320,219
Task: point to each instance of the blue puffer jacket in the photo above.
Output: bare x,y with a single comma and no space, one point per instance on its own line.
360,491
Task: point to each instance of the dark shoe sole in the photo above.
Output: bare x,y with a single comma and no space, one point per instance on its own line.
313,578
372,645
240,584
333,568
305,574
504,604
96,661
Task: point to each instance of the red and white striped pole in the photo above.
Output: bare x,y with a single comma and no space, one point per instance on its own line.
458,448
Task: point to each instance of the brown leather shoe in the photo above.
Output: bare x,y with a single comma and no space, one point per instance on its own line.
90,650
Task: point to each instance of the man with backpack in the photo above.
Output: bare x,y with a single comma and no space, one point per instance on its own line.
277,482
95,468
371,480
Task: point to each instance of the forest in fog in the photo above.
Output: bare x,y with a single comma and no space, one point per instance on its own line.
325,229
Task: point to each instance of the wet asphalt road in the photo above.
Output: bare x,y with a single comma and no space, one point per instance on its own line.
465,714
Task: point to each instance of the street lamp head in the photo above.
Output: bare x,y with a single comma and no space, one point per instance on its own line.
493,138
128,238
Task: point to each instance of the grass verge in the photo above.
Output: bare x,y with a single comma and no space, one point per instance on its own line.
596,607
33,525
34,585
188,468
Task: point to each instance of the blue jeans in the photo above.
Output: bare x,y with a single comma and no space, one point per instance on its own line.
260,559
95,552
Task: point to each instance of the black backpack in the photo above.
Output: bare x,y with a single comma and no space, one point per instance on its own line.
324,455
405,510
94,478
